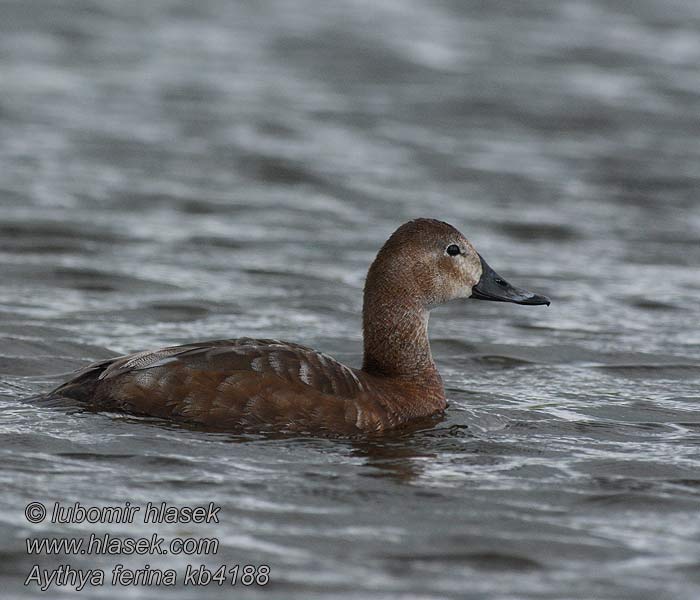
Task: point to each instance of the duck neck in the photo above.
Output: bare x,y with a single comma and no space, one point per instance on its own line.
396,340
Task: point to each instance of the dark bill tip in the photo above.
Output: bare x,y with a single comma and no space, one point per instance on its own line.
493,287
534,300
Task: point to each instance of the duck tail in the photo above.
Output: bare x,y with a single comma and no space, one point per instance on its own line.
80,388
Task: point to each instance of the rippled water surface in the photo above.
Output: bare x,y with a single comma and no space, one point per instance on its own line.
173,171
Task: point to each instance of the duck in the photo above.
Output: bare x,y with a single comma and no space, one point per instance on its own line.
247,384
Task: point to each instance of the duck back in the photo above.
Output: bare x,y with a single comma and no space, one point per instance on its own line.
239,383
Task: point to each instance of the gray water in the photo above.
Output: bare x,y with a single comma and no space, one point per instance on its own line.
177,171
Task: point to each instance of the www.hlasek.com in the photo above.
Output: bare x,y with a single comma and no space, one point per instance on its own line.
111,545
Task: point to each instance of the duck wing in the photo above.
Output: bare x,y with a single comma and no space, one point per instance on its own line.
230,383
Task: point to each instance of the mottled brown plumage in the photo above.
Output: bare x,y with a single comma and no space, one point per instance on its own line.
268,384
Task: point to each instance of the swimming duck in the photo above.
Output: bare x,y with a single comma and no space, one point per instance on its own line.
262,384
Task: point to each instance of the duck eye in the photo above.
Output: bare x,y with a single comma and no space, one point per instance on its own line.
453,250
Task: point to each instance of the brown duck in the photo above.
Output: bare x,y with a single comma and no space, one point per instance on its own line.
260,384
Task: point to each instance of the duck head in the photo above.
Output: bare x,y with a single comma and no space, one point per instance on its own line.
423,264
434,263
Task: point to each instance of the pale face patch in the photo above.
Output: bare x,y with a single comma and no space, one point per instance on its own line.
450,275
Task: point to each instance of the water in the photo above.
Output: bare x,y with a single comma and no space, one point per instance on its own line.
175,171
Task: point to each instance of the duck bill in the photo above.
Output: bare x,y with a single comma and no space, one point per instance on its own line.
493,287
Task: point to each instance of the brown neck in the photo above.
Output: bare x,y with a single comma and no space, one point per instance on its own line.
395,329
